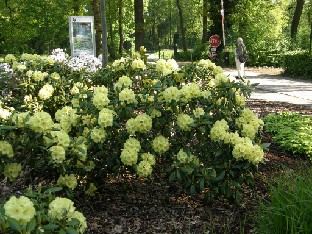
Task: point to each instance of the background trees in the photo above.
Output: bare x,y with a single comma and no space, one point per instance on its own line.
38,26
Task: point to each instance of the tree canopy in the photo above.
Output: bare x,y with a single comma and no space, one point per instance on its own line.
40,26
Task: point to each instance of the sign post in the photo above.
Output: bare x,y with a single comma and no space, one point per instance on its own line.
81,35
214,42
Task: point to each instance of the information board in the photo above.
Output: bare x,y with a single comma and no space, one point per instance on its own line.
81,35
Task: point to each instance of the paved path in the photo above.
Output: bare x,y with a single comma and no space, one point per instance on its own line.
278,88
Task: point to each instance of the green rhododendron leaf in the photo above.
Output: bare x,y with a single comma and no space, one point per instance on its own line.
219,177
14,225
53,189
51,226
73,222
31,225
71,230
7,127
172,177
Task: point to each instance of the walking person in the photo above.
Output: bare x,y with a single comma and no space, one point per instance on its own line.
240,65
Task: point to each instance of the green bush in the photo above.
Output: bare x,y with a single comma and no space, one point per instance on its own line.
79,124
298,64
291,131
266,58
290,206
40,212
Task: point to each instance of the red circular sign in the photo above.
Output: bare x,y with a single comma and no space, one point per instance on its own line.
214,41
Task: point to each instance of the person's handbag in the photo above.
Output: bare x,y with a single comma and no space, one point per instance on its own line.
243,57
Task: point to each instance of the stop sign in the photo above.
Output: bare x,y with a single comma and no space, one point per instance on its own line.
214,41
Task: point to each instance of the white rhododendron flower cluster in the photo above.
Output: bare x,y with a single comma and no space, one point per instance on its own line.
59,55
86,62
5,68
5,113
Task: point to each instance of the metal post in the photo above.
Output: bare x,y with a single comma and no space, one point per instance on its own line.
104,34
222,14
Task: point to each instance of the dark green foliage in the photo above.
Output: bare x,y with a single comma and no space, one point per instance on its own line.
299,64
292,131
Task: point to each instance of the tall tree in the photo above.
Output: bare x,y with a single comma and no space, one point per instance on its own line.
111,47
120,26
296,19
97,25
139,23
182,29
205,21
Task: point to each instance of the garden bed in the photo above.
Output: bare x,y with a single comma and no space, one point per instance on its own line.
127,206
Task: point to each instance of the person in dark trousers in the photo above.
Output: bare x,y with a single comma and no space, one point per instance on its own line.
240,50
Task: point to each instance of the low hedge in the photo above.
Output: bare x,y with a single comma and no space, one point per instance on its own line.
298,64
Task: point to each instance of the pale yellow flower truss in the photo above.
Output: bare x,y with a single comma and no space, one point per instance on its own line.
123,81
129,156
184,121
12,170
61,208
160,144
144,169
138,64
21,209
6,149
58,154
40,122
98,135
127,96
106,117
68,180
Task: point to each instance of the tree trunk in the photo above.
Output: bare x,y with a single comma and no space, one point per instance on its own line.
97,26
120,28
104,34
111,47
205,21
76,7
296,19
182,26
139,24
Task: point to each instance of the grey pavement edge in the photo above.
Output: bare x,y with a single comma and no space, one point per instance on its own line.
277,88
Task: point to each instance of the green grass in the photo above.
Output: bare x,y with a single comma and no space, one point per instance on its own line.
290,207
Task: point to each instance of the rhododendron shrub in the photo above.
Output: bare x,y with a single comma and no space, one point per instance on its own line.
40,212
189,124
